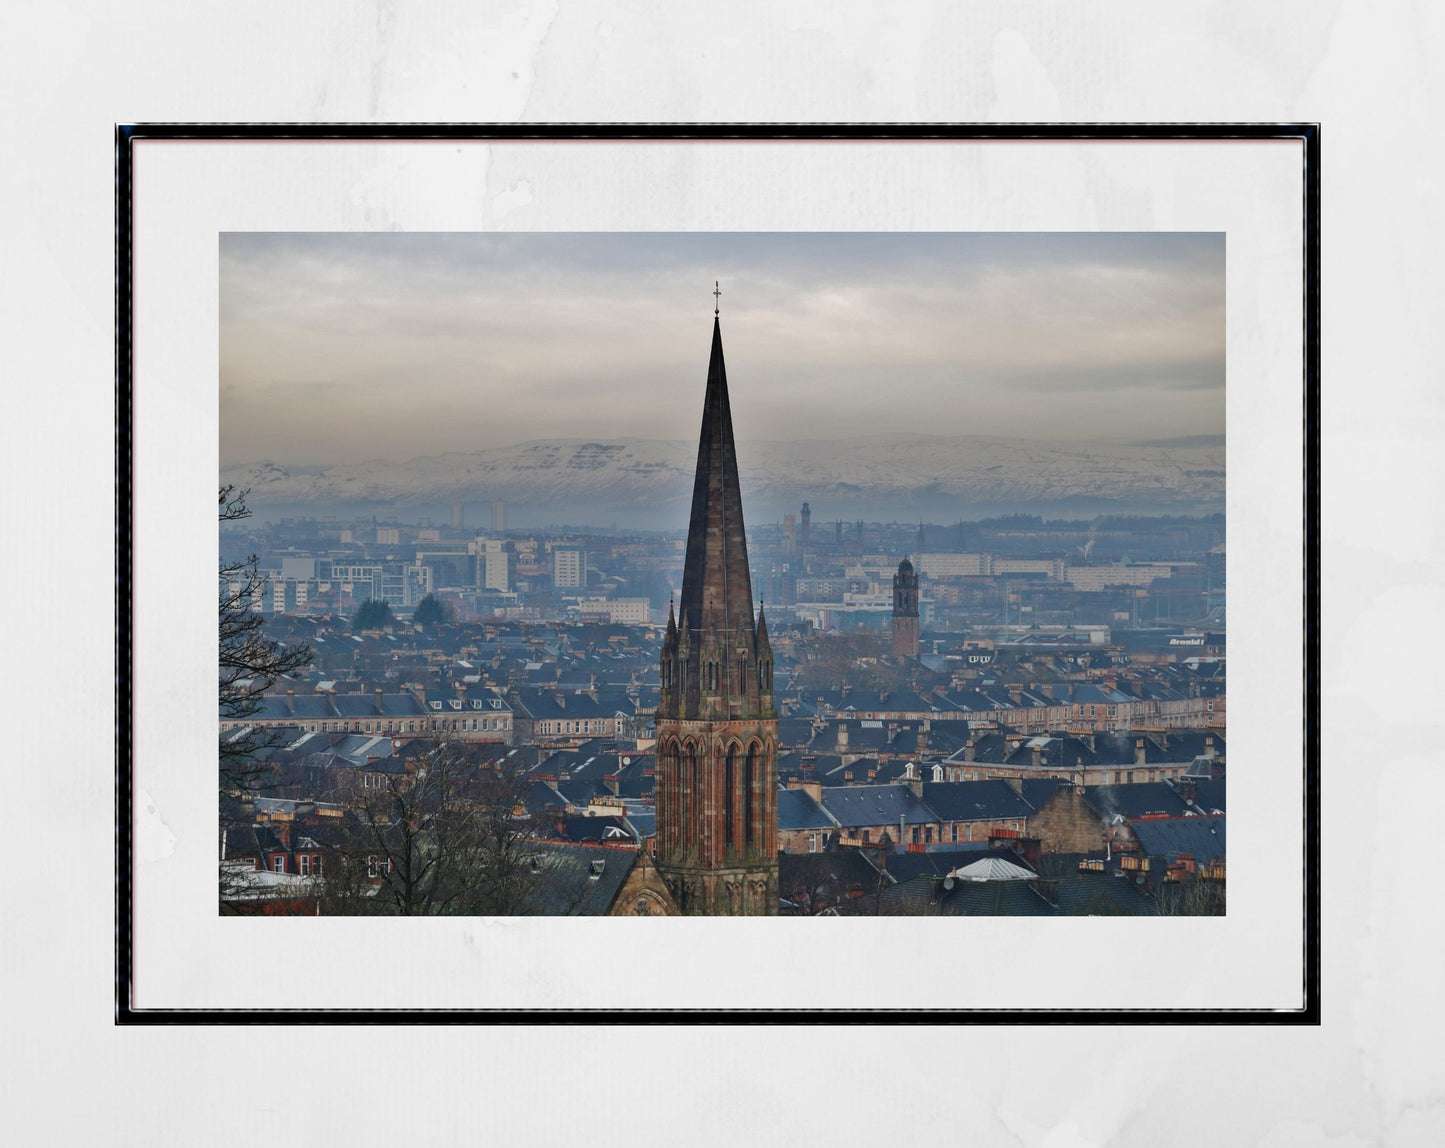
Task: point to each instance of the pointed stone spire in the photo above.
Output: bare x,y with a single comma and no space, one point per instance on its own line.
713,660
716,587
762,641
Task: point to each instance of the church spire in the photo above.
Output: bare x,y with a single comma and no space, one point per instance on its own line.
717,596
716,725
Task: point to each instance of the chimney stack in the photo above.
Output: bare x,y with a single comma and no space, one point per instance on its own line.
968,749
380,708
291,702
1139,751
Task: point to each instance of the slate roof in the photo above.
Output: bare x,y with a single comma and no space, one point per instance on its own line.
577,880
974,800
1055,752
306,707
838,772
858,805
1089,894
906,864
967,899
583,829
944,737
250,841
638,778
828,878
545,705
798,811
1038,791
540,797
861,738
357,747
579,791
794,731
1209,796
643,823
1168,837
445,702
1143,799
988,749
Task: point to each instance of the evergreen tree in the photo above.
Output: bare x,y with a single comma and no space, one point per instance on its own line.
429,611
373,615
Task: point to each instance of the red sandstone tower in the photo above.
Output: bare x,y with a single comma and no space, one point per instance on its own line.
905,611
717,730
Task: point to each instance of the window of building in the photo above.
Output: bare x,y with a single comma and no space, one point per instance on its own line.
812,842
304,864
278,863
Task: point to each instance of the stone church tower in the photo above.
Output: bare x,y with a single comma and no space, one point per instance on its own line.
905,611
717,730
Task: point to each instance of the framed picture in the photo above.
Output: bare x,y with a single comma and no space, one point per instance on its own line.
221,226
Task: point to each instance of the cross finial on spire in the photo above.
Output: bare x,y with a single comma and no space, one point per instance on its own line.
716,297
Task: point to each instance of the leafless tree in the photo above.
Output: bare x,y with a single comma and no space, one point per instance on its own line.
1191,897
448,836
250,663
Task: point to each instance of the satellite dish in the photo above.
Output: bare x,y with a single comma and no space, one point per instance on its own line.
948,882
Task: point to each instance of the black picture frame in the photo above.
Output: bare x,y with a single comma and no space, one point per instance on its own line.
128,136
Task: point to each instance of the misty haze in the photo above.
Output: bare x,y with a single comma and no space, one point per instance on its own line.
535,602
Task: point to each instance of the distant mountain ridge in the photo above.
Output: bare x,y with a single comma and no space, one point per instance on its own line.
651,478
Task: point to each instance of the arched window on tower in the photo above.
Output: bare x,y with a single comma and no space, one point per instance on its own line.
730,796
690,822
750,781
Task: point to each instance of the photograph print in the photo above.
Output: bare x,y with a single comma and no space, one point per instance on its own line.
746,574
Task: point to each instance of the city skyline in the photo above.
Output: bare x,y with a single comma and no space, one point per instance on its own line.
340,348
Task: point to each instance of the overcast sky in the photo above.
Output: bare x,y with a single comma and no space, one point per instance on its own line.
347,347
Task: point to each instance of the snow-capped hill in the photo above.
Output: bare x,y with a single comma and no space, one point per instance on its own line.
651,475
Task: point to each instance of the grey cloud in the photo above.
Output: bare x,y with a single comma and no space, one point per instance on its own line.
519,336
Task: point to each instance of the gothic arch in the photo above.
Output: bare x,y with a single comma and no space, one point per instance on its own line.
751,768
691,790
732,758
